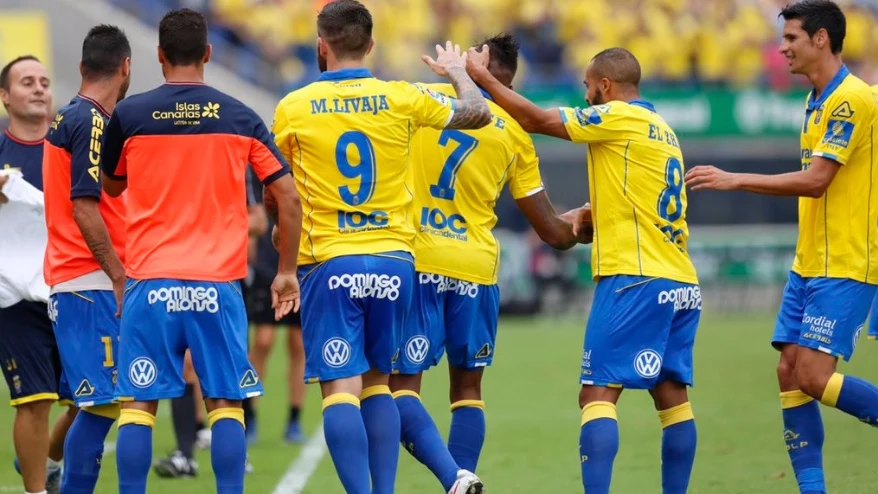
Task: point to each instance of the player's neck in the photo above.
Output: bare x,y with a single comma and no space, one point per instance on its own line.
30,131
823,74
103,93
334,65
184,73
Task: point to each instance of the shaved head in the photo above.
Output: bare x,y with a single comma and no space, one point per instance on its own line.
618,65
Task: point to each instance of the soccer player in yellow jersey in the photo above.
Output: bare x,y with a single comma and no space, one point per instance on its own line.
458,176
348,138
647,303
873,319
835,271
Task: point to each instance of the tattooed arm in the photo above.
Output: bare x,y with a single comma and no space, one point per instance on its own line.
94,231
472,110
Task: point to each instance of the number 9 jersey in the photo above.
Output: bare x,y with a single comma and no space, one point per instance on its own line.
348,139
638,197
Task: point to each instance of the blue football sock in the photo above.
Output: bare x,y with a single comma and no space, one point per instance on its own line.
853,396
228,449
381,419
679,439
134,450
84,449
598,445
422,439
467,434
346,440
803,434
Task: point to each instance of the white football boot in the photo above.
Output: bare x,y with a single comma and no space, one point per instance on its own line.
467,483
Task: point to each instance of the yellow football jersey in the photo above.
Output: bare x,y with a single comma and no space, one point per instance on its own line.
458,176
638,198
837,231
348,139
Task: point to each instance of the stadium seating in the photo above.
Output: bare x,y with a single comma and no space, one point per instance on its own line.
726,43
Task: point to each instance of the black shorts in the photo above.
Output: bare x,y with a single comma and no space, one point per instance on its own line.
29,354
259,309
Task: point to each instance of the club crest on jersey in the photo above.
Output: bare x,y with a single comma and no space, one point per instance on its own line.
417,348
818,115
336,352
142,372
648,363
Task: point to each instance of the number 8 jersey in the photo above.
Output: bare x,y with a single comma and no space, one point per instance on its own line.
348,138
638,197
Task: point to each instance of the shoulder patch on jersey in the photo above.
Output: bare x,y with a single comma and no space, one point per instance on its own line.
843,110
441,98
838,132
590,115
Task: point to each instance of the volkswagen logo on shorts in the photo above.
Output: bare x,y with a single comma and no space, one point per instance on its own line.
416,349
336,352
648,364
142,372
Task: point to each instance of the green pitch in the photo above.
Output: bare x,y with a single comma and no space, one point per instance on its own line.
533,422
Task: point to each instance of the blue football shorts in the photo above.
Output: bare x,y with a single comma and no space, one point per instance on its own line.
450,315
161,318
641,331
824,314
355,309
29,354
87,332
873,320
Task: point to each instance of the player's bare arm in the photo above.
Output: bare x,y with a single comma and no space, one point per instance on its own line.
531,117
97,237
257,220
3,180
811,182
285,288
472,111
556,230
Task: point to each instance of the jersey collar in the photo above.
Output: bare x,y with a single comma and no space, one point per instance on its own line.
828,90
643,104
486,94
345,74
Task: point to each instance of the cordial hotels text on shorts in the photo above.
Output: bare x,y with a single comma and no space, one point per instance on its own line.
684,298
446,284
361,285
186,299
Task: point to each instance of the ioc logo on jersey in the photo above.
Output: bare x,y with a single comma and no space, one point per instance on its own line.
648,364
336,352
417,348
356,220
436,219
142,372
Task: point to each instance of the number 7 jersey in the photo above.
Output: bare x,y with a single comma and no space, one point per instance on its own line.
348,138
638,197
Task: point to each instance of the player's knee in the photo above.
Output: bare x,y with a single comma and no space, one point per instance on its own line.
786,371
812,379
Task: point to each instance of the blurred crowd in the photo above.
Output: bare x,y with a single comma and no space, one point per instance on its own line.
697,43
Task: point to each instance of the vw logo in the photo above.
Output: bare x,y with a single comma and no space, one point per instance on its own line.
336,352
416,349
648,364
142,372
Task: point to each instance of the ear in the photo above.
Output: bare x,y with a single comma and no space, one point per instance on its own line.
4,96
821,38
322,48
371,45
161,55
80,68
606,85
207,53
126,67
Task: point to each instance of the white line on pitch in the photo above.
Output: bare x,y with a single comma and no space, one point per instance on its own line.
303,467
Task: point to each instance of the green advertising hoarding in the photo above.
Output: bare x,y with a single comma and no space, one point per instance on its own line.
714,113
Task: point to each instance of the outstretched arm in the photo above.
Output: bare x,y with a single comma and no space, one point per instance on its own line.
559,231
531,117
811,182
